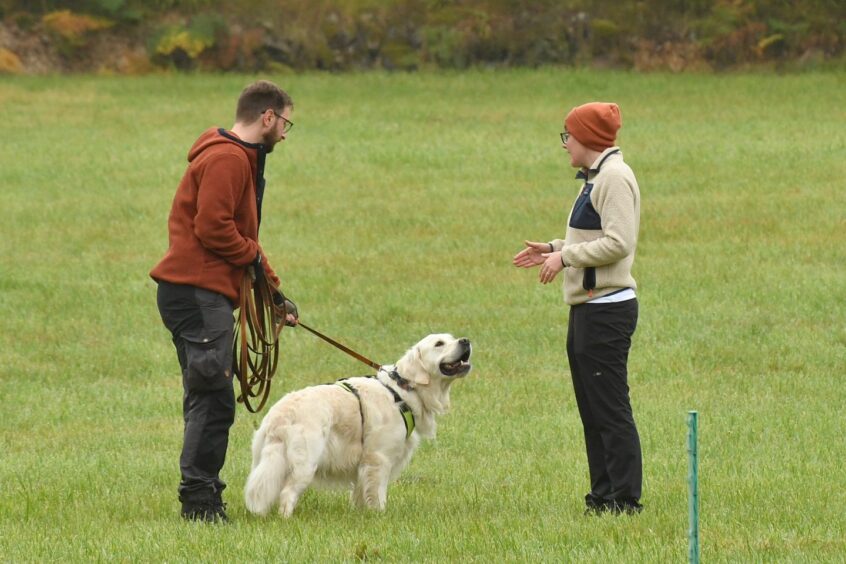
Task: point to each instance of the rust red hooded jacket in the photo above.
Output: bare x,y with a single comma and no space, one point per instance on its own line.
214,220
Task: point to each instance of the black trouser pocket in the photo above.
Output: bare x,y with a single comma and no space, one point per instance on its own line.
208,360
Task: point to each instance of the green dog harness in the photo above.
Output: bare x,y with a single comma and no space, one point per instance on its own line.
405,411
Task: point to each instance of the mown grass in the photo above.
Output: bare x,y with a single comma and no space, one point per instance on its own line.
393,211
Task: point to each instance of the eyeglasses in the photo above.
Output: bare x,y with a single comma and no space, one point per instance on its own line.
565,136
288,123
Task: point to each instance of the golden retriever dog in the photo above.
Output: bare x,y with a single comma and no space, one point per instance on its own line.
358,432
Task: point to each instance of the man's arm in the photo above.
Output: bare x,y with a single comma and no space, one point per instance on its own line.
221,187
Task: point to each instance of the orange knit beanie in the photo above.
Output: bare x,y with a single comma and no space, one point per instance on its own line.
595,124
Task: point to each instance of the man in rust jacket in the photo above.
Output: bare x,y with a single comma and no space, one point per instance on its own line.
213,237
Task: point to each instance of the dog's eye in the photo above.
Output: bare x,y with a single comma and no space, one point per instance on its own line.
439,344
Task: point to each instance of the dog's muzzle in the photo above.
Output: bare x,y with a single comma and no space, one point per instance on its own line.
461,365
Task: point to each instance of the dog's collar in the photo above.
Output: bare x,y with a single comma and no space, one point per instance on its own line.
405,410
394,375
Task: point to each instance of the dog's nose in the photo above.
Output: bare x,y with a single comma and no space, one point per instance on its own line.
464,342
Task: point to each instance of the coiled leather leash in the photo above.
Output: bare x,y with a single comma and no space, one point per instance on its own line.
255,351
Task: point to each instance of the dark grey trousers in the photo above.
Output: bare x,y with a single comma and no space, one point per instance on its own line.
598,343
201,323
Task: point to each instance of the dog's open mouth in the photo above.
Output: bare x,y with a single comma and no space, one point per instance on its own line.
456,367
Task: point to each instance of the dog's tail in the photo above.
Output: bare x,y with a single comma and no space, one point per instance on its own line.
265,480
258,444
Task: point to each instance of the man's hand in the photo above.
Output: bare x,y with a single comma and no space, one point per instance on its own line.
532,255
292,316
258,267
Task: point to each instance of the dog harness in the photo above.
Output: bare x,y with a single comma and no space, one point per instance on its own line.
405,411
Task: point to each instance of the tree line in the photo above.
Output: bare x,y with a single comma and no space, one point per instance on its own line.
278,35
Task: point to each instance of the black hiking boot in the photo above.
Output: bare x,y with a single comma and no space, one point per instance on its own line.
208,508
625,506
595,505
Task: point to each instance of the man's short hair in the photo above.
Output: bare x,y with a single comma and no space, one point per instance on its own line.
258,97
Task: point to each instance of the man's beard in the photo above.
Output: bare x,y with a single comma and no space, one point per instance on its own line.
269,141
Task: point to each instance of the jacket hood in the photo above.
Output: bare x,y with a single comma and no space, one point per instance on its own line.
216,136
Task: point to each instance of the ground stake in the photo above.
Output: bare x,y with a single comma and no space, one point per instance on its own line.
693,486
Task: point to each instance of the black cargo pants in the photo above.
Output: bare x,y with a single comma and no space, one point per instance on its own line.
201,323
598,343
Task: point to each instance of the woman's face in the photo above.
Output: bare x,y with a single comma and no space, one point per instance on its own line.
578,152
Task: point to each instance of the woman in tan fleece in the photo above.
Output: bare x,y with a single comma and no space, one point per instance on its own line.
596,256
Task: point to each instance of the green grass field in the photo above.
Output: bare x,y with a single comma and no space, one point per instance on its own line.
393,211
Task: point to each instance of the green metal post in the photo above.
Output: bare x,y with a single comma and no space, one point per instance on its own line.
693,486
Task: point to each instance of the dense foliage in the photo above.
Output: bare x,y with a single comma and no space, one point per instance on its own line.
413,34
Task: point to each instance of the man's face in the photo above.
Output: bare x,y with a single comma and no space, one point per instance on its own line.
276,130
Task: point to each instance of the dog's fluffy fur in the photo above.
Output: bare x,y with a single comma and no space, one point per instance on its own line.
315,434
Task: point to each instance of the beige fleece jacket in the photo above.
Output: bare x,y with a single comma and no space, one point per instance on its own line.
602,231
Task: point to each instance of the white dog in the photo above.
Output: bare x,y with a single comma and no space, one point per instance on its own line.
359,432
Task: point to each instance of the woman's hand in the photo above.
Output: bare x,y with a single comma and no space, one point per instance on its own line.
552,265
532,255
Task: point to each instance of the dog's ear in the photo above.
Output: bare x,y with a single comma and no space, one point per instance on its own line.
415,370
